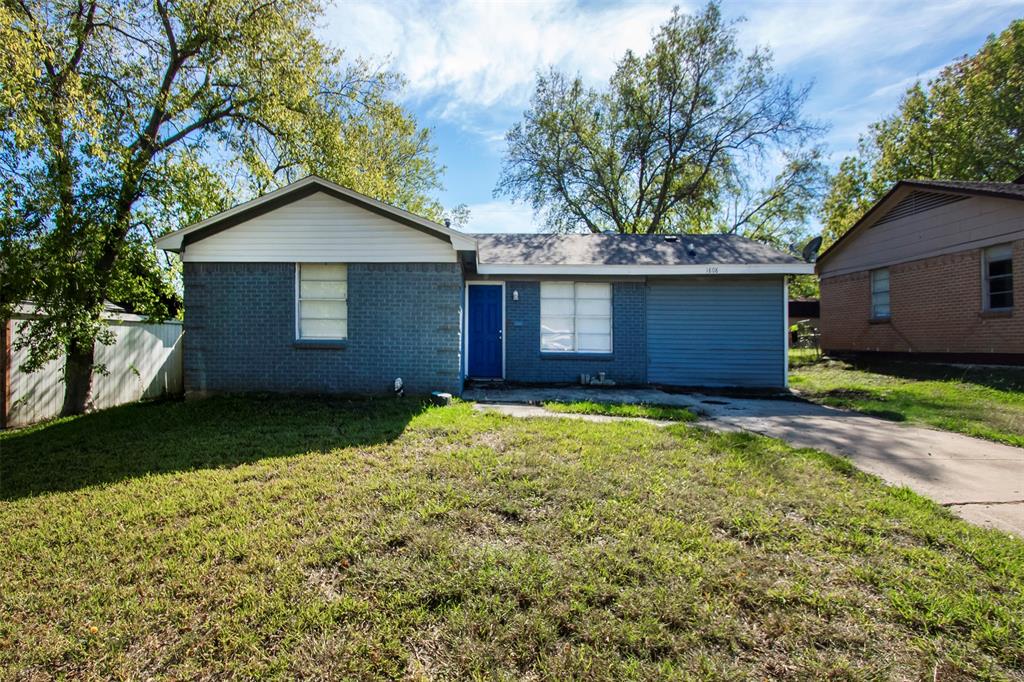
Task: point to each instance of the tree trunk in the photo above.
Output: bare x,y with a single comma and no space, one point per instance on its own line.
78,378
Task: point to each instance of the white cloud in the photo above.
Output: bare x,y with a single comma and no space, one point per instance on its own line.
500,216
837,34
862,56
472,64
485,54
899,87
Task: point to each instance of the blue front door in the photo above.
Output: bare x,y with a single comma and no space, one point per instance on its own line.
485,330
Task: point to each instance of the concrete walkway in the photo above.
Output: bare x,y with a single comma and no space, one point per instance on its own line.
981,481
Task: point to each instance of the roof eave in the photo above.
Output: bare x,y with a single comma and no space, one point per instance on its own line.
875,209
993,192
709,269
871,212
174,241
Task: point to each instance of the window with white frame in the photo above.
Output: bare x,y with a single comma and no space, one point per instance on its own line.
322,301
576,317
999,277
880,294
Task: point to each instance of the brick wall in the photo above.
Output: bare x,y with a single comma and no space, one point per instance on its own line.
627,364
403,321
936,308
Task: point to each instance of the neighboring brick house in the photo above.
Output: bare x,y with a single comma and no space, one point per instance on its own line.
935,269
315,288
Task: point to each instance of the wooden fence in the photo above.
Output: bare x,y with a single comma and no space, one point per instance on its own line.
145,362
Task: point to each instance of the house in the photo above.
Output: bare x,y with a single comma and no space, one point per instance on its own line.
316,288
932,271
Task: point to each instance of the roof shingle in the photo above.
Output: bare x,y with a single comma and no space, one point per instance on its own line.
625,249
1010,190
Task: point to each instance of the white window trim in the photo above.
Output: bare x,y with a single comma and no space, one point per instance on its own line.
575,333
985,279
298,306
888,293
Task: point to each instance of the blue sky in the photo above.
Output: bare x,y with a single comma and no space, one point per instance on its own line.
471,65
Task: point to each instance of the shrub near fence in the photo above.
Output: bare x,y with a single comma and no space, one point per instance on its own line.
143,363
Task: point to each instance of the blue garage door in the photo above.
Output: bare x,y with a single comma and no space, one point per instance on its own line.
716,332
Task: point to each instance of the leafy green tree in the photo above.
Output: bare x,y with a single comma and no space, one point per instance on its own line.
803,286
123,119
677,141
966,124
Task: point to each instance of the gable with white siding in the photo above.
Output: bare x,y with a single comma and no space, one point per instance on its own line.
316,229
964,223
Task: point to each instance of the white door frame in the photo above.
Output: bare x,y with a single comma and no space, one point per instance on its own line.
465,342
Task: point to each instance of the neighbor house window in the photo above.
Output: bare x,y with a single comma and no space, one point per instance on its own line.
880,294
576,317
322,301
999,277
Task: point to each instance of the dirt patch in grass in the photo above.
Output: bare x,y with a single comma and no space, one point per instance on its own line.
848,394
316,540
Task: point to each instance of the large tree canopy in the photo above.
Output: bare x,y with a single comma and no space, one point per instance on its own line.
125,118
679,140
966,124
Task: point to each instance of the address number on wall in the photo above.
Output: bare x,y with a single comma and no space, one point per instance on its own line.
712,270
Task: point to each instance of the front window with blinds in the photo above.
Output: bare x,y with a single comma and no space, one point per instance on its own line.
880,295
322,301
575,317
999,277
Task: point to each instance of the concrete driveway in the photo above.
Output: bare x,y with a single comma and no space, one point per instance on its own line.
981,481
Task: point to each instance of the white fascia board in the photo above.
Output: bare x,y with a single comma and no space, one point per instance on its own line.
462,242
327,258
959,247
469,242
613,270
172,241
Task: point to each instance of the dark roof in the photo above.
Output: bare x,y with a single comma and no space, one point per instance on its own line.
1009,190
1002,190
625,249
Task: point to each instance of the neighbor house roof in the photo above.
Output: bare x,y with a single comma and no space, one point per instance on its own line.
630,254
28,310
1008,190
1001,190
311,184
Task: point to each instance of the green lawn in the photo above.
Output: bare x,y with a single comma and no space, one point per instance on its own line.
643,410
983,402
284,538
798,357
